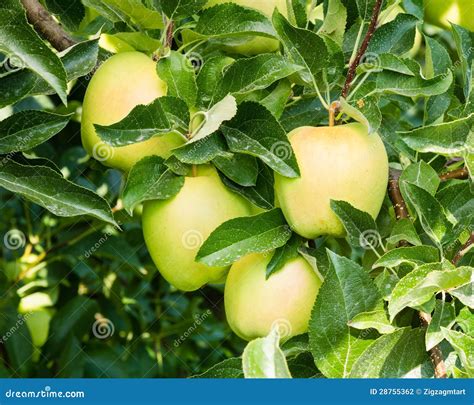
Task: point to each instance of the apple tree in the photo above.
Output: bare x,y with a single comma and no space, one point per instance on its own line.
242,188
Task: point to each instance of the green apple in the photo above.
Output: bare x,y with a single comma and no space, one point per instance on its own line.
122,82
255,45
254,305
38,324
443,12
175,229
342,162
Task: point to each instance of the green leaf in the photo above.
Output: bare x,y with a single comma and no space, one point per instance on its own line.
162,116
448,139
384,61
48,188
220,112
178,73
27,129
359,225
70,14
465,294
241,236
421,174
25,48
367,112
400,354
414,255
276,101
76,316
437,59
79,60
419,286
284,254
257,73
209,78
150,179
256,132
305,48
202,151
241,169
457,199
395,37
334,23
239,21
346,292
229,368
262,194
430,212
179,9
443,316
132,12
263,358
464,45
464,347
388,82
404,230
374,319
465,320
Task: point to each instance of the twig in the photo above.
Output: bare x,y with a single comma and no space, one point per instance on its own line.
169,34
46,26
436,354
460,174
401,212
362,49
460,254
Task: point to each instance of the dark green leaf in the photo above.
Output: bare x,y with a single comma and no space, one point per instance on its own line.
414,255
284,254
49,189
150,179
241,236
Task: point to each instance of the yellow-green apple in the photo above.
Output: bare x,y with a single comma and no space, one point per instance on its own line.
38,324
122,82
250,45
343,162
254,305
443,12
174,229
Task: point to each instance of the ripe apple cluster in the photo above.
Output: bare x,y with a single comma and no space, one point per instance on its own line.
343,162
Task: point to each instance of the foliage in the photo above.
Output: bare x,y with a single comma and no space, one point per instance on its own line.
72,242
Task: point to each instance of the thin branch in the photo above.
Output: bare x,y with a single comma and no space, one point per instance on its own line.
460,254
401,211
460,174
363,48
47,26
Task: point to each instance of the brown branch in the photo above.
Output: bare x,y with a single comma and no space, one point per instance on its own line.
169,35
401,211
363,48
46,25
460,174
460,254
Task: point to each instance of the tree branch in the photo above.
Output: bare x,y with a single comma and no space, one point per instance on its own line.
401,211
461,174
46,25
362,49
460,254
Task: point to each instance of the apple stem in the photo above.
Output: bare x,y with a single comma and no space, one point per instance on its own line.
333,108
46,26
194,170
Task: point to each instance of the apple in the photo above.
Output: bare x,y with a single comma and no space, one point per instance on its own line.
255,45
343,162
175,229
254,305
122,82
38,324
443,12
